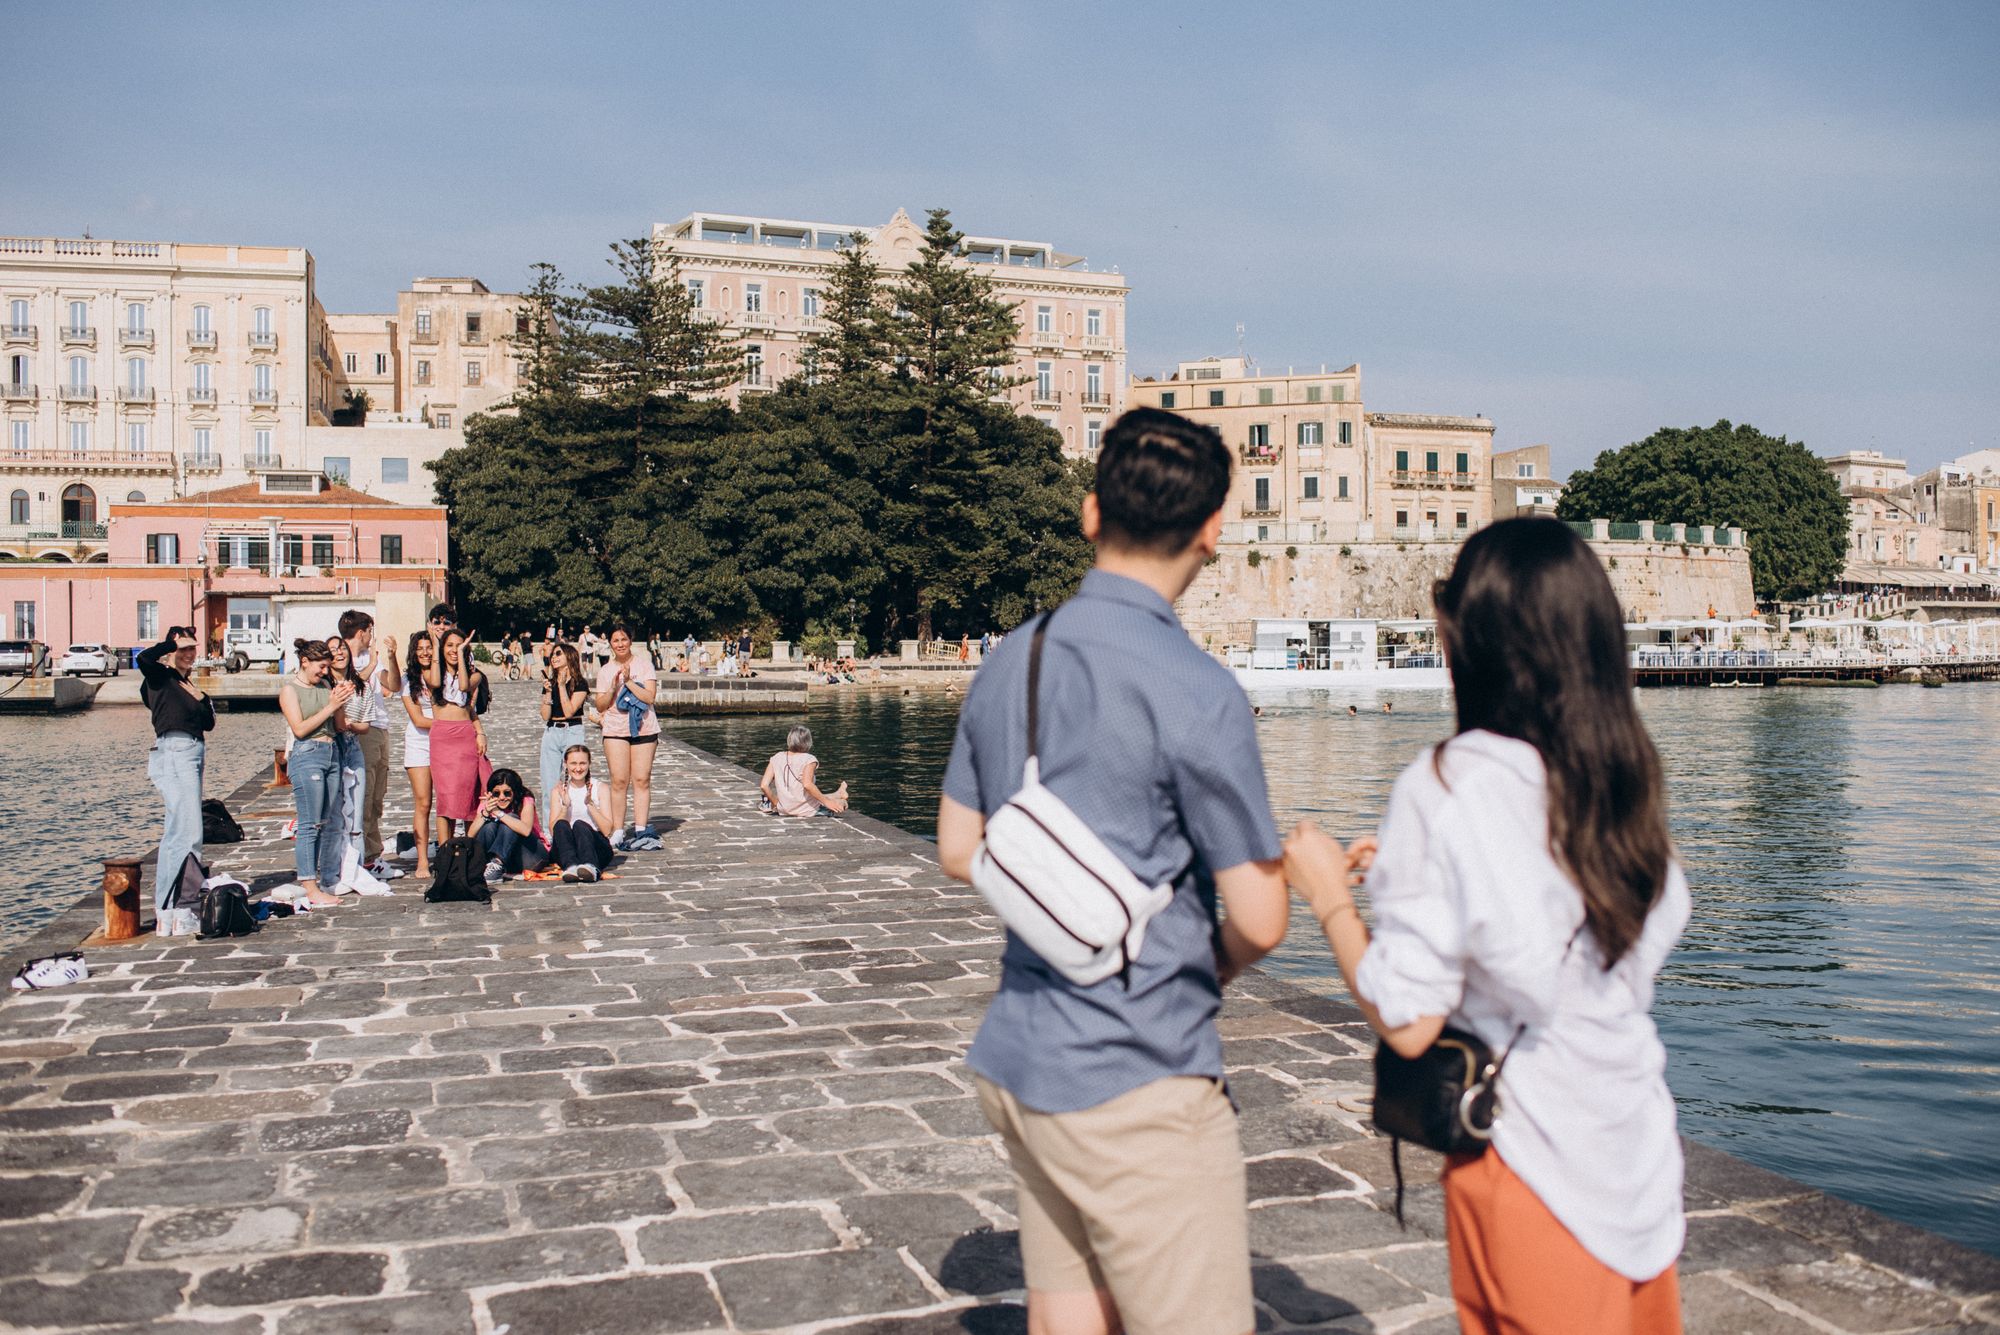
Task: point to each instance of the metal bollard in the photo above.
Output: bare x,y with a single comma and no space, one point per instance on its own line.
281,776
122,877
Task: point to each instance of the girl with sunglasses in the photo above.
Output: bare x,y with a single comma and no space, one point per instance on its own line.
505,828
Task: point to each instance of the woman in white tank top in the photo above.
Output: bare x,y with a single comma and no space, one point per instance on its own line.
580,808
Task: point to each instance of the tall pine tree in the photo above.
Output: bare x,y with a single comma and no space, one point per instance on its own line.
855,342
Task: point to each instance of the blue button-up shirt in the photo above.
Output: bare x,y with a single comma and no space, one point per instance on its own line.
1151,742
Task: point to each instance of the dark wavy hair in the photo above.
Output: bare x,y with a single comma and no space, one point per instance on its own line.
413,676
513,781
1536,643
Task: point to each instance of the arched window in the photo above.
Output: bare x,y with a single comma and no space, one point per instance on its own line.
17,508
79,504
135,495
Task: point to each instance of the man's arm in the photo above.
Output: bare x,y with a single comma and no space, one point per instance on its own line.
959,830
1256,912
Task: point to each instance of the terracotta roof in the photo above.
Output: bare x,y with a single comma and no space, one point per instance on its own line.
252,493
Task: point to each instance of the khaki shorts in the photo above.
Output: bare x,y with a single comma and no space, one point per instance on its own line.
1143,1196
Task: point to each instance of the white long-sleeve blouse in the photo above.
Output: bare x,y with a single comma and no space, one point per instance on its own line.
1473,916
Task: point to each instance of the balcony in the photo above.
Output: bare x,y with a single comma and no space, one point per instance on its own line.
79,333
759,320
422,382
84,461
1045,338
202,463
1266,456
200,394
135,338
1048,398
201,340
265,342
474,338
15,391
263,398
77,393
1097,398
17,333
424,336
73,530
135,393
1253,511
1098,343
263,462
1455,481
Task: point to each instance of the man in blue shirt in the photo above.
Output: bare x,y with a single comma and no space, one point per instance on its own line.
1109,1097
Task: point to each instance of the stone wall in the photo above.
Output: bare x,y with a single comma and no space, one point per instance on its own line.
1654,581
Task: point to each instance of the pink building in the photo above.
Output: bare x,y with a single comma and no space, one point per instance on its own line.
232,559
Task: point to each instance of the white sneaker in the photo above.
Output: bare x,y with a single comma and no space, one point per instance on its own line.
51,971
618,838
177,922
384,870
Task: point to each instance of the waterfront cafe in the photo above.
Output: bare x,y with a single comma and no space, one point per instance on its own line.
1699,642
1336,644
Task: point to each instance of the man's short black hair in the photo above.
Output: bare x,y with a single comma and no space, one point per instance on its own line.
1159,478
442,612
353,621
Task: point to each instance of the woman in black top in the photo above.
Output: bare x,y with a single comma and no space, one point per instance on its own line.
182,716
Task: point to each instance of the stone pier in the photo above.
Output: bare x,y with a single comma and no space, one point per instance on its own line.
725,1091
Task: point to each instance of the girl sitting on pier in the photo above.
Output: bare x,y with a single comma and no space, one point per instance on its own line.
579,811
505,827
1525,890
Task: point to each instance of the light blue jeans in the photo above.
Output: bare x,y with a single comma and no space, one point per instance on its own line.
353,788
315,771
175,765
555,741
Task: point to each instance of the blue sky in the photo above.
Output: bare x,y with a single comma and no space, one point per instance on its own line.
1585,221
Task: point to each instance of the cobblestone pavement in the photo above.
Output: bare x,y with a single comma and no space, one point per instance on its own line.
722,1092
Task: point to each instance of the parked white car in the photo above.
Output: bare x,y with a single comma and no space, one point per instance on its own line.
81,658
241,648
22,657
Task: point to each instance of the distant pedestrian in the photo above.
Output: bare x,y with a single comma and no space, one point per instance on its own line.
1525,890
964,648
985,644
624,696
1109,1096
687,647
182,718
311,703
743,646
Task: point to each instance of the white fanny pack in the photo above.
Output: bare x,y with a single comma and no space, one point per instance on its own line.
1052,880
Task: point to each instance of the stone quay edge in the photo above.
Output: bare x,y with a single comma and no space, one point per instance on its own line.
725,1091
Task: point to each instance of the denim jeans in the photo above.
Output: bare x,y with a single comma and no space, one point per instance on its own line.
315,771
353,789
555,741
517,852
175,765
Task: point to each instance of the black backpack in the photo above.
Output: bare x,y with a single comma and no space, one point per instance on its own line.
225,911
217,825
185,891
460,874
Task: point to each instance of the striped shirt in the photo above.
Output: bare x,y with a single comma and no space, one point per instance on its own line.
1151,742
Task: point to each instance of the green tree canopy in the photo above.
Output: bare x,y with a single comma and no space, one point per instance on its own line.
622,487
1774,489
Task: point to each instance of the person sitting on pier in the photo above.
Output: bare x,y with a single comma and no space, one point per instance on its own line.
579,811
506,829
788,782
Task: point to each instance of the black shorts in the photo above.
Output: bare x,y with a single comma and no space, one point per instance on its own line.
648,740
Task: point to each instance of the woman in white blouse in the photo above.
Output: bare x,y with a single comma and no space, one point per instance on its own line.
1523,875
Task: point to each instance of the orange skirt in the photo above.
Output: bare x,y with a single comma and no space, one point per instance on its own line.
1515,1270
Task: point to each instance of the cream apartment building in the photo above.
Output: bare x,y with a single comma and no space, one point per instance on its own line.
1523,483
458,357
1314,466
143,370
766,278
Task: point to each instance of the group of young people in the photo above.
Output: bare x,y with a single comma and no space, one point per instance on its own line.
1523,890
339,694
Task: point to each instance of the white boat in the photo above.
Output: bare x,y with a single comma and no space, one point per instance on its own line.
1341,654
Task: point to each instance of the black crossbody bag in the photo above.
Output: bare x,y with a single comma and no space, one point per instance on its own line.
1446,1097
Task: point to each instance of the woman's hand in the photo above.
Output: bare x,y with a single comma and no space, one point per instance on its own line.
479,735
1321,870
342,693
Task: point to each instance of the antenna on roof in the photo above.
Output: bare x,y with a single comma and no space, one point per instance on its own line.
1239,341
